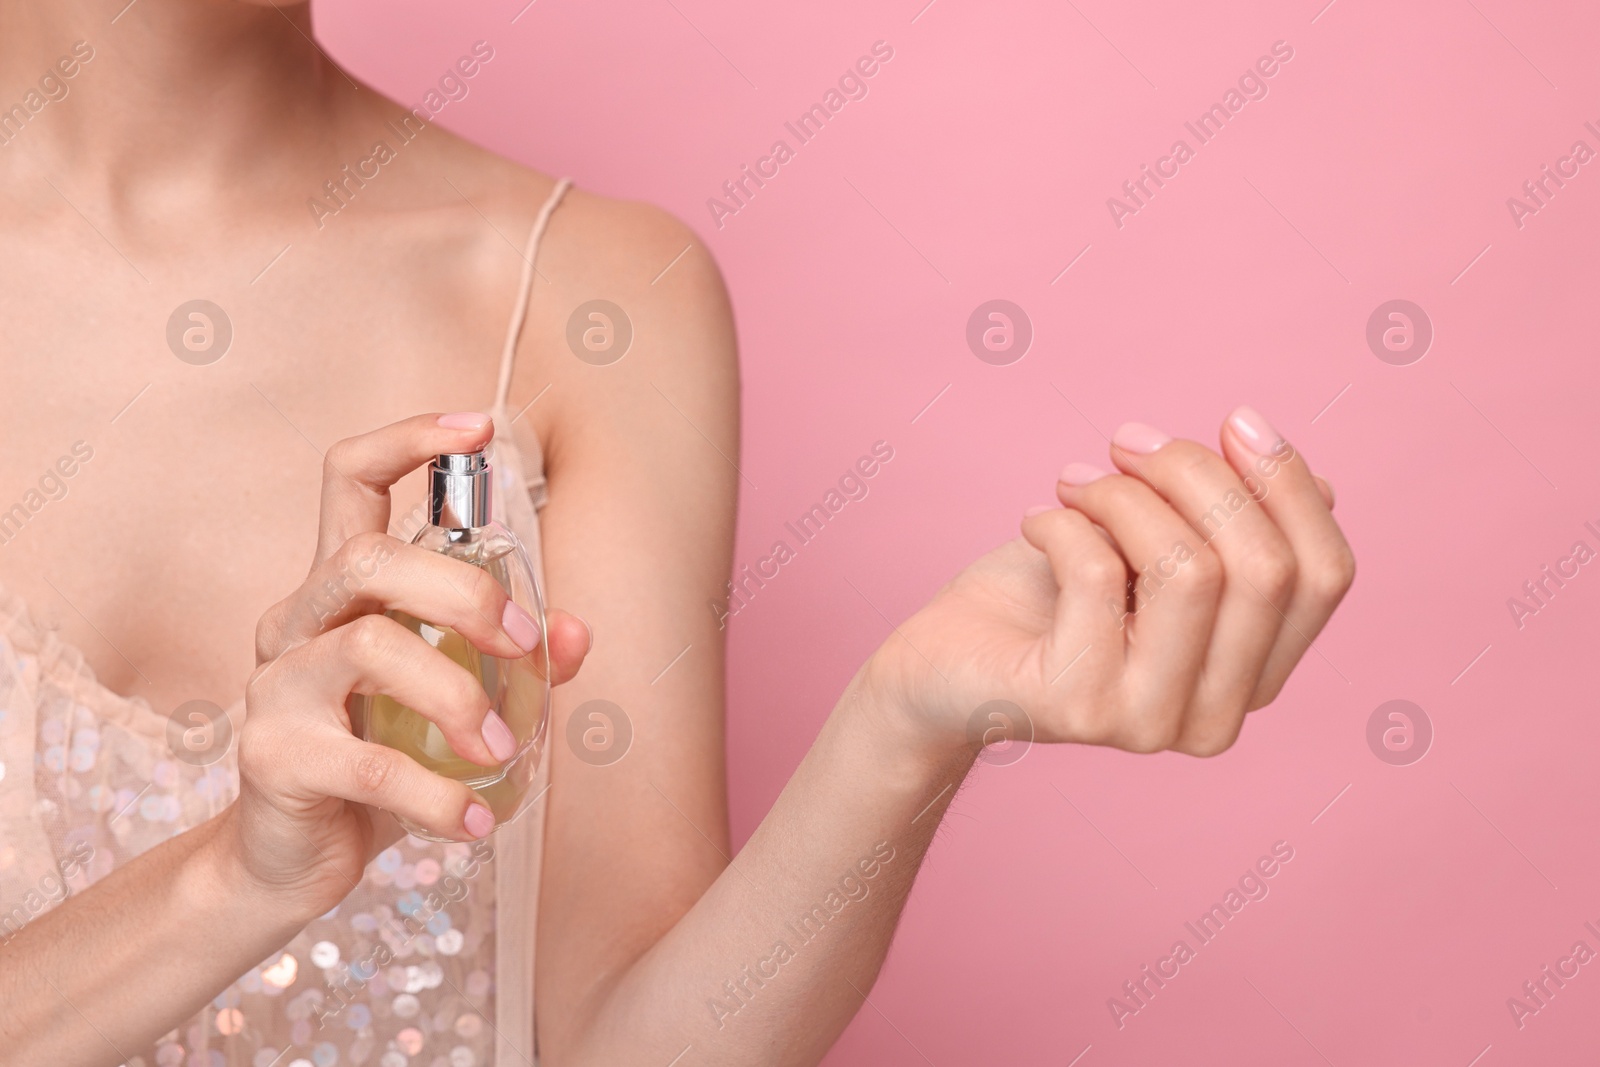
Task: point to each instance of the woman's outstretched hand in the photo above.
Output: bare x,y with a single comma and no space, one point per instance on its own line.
1151,611
309,815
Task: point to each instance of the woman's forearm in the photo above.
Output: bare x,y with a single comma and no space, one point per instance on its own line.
773,961
114,967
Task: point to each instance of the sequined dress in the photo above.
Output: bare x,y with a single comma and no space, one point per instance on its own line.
417,967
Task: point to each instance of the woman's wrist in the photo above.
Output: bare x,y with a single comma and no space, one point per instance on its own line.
887,715
220,872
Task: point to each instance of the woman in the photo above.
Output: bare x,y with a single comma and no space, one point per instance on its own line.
177,150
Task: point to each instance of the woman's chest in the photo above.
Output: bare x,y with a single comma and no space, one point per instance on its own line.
161,456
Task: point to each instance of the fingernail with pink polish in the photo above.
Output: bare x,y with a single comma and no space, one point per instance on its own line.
519,625
1255,431
464,420
1138,438
479,821
1080,473
497,735
1039,509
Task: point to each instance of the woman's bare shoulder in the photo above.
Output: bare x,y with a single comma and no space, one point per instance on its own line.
655,287
591,238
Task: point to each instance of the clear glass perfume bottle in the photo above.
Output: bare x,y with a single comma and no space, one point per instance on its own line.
461,527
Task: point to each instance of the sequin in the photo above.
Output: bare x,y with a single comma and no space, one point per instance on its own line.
416,981
214,785
165,774
304,1005
281,974
110,783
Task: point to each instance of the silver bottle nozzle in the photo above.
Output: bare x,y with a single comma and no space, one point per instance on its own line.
459,484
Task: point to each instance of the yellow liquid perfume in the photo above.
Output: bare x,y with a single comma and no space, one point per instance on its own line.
461,527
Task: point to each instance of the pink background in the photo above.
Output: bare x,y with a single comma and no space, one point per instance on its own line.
1378,167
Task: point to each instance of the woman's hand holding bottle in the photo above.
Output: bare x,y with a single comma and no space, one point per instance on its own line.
309,815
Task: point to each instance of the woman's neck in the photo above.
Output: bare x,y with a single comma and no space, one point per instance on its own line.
166,98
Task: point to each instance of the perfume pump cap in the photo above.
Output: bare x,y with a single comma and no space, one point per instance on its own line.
459,485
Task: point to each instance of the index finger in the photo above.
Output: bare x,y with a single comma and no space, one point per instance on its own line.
358,471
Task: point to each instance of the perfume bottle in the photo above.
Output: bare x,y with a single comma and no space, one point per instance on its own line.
461,527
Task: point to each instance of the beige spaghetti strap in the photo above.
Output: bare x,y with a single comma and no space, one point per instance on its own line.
508,355
518,846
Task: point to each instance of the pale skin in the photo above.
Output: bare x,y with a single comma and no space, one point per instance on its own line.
181,162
